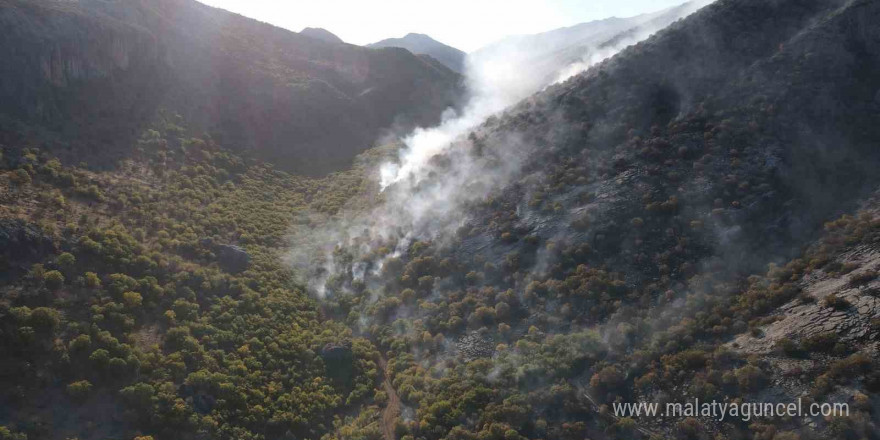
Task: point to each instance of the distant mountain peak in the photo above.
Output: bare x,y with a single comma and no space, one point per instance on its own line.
412,35
421,44
321,34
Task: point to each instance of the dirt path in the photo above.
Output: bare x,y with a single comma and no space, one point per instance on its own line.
392,407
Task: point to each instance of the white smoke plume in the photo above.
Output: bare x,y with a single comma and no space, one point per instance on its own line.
643,27
440,170
505,73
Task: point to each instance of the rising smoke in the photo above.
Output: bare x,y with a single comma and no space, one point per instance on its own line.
441,170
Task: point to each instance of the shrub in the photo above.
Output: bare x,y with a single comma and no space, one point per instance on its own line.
92,280
607,378
862,278
100,357
45,318
822,342
750,378
66,260
132,300
80,344
686,360
835,302
79,389
502,311
53,279
7,434
139,395
20,177
380,397
787,347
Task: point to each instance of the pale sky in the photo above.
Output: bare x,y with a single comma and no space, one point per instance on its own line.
465,24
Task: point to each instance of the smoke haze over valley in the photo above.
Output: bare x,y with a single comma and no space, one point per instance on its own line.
215,228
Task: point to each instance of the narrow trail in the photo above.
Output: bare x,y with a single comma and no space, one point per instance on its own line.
392,407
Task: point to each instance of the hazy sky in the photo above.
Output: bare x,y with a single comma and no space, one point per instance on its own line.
465,24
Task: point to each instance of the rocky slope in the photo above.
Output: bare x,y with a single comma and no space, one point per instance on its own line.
87,75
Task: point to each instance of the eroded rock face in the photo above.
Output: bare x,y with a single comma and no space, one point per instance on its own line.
800,320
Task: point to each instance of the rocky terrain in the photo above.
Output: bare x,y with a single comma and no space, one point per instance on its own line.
843,304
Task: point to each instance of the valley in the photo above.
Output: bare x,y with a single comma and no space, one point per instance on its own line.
212,228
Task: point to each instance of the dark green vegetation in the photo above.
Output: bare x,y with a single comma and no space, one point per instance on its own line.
627,262
114,302
86,77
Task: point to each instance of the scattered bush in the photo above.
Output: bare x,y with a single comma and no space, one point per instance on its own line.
79,390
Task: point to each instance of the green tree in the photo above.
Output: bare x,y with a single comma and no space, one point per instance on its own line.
66,260
80,389
45,318
92,280
750,378
100,357
53,279
139,395
132,300
80,344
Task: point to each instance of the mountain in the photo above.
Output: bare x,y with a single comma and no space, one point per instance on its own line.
321,34
421,44
95,72
692,219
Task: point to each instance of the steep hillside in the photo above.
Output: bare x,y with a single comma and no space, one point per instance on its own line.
421,44
87,75
151,300
606,240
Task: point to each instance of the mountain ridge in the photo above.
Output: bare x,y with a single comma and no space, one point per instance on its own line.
421,44
321,34
242,80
